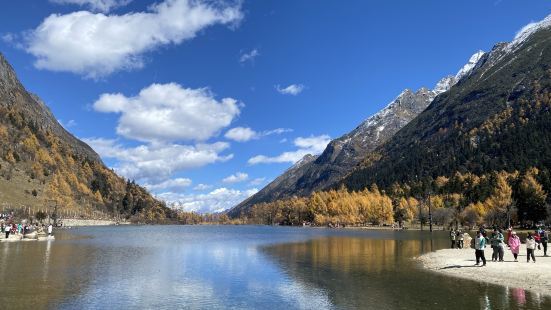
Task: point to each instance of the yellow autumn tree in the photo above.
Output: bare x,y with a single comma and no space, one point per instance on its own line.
499,202
3,133
9,157
473,214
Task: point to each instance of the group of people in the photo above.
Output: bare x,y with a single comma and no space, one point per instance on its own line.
457,238
498,242
12,228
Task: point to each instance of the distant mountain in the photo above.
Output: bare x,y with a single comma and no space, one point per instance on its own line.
42,164
497,117
342,155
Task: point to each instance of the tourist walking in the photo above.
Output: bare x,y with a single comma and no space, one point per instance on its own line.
544,238
494,243
452,237
536,237
7,230
479,246
500,244
459,239
514,244
530,248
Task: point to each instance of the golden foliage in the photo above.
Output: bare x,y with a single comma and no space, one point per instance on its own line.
98,197
44,158
501,195
31,144
3,133
9,157
330,207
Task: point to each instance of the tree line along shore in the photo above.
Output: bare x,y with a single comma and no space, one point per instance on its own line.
469,200
466,200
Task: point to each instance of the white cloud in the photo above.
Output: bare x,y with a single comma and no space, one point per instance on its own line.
171,184
315,143
310,145
96,5
293,89
241,134
69,124
244,134
156,162
250,56
236,178
9,37
277,131
169,112
217,200
96,45
202,187
12,39
257,181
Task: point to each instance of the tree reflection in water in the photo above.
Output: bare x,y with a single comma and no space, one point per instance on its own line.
381,274
40,274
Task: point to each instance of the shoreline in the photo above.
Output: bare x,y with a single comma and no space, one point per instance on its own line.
460,263
67,223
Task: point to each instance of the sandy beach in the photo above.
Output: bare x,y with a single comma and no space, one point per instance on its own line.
535,277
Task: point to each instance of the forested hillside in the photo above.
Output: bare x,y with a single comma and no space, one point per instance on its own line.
499,118
42,165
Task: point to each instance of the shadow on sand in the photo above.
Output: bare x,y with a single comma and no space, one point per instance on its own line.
462,266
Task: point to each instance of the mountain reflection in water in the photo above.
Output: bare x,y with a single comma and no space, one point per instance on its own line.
238,267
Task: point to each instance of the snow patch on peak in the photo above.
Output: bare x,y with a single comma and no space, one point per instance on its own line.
530,29
304,160
402,94
466,70
444,84
525,32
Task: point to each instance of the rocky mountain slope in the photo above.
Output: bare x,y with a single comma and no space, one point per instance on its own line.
42,164
342,155
497,117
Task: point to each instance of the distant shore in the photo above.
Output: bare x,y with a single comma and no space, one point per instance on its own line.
425,228
84,222
460,263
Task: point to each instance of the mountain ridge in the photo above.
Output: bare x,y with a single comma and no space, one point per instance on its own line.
346,152
493,119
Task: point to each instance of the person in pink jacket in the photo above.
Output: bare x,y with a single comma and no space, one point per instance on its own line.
514,244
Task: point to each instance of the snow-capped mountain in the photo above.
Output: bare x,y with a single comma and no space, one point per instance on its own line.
496,117
343,154
468,68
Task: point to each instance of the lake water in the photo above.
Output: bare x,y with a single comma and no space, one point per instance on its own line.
238,267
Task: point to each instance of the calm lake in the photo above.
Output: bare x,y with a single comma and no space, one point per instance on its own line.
238,267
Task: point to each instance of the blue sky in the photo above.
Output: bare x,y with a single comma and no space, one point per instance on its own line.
206,101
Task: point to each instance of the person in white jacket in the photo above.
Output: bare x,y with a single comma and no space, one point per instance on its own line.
530,248
479,246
